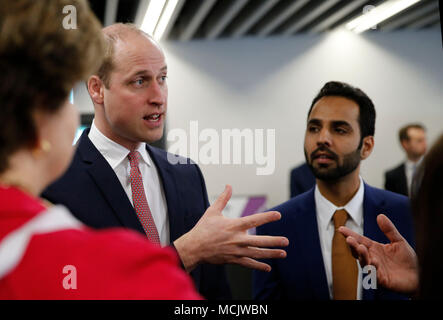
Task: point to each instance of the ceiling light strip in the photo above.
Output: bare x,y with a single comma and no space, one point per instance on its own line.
379,14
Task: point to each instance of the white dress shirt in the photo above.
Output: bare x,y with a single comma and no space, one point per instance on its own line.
325,211
117,157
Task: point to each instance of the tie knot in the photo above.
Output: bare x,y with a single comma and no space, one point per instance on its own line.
340,217
134,157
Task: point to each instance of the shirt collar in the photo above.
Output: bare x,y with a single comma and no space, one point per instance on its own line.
409,164
113,152
326,209
144,153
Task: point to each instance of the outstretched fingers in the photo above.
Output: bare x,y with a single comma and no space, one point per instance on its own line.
359,238
388,228
265,241
262,253
252,264
359,251
258,219
222,199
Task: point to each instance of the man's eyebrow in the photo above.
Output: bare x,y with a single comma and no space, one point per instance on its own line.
338,123
315,121
140,73
334,123
146,72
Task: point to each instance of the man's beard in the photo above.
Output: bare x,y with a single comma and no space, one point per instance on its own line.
322,172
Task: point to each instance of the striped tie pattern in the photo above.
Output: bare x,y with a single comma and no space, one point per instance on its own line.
139,199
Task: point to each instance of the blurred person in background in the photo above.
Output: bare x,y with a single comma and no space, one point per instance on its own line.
301,180
413,141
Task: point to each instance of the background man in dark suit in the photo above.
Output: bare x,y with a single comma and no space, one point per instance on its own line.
302,180
116,179
339,134
413,141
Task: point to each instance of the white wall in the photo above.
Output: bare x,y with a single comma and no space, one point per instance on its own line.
270,83
82,100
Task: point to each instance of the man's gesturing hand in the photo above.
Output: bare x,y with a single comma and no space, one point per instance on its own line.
396,262
216,239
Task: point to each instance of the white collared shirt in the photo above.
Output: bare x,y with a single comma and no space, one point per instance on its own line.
117,157
325,211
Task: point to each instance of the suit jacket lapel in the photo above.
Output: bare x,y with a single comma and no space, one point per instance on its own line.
403,180
175,211
108,183
310,240
372,207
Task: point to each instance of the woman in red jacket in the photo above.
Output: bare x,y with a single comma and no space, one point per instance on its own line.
45,253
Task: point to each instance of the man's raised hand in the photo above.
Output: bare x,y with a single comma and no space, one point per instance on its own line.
217,239
396,262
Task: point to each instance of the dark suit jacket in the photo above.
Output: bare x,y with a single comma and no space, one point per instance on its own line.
93,193
302,274
395,180
302,179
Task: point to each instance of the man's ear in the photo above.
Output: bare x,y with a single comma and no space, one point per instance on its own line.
367,147
96,89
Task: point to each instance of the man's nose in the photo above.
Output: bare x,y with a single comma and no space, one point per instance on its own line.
324,137
157,94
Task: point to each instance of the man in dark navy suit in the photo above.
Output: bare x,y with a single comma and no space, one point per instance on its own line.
319,263
116,179
302,180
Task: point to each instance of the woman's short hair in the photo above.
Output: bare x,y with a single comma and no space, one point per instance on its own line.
41,59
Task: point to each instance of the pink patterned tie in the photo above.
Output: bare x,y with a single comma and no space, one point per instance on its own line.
139,199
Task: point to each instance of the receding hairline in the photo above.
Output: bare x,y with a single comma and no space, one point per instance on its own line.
348,100
119,32
403,133
351,102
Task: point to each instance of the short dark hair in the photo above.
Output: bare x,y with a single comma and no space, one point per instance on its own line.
366,118
403,132
40,62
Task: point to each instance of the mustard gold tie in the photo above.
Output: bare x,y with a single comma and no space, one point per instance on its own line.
344,266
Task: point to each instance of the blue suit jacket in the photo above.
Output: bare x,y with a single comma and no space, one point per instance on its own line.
302,179
93,193
302,274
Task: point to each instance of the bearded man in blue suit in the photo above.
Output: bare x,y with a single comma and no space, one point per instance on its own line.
319,264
